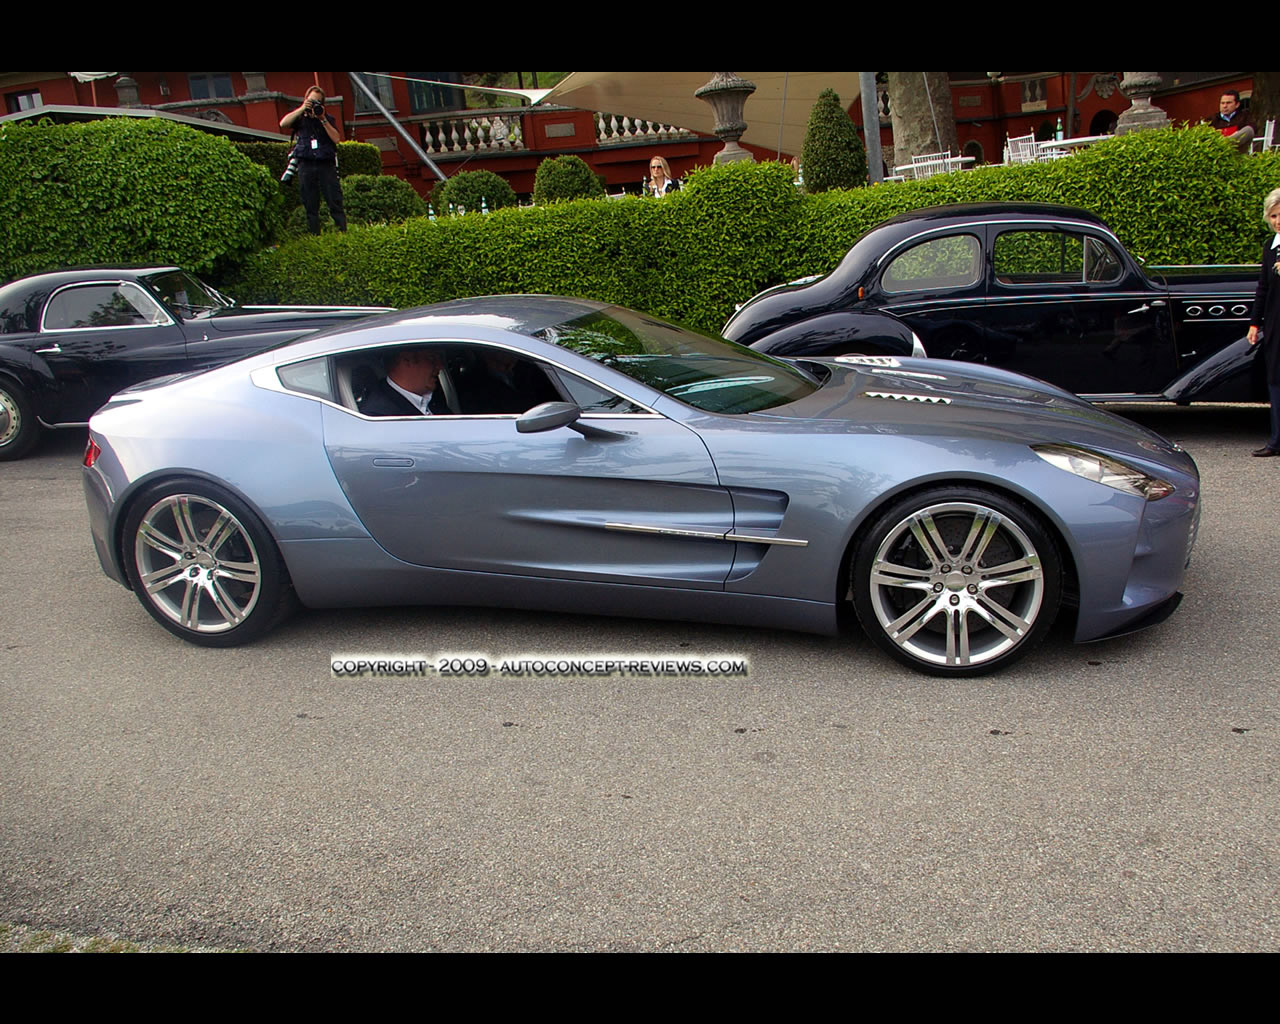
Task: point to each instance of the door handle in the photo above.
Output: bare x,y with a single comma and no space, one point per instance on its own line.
51,349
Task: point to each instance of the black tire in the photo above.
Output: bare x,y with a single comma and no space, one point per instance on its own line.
957,581
19,430
203,565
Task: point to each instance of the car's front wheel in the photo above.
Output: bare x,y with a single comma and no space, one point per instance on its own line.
203,564
957,581
18,427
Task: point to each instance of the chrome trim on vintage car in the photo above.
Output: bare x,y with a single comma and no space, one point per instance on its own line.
737,538
168,321
965,229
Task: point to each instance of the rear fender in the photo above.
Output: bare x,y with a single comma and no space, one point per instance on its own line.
834,334
1236,373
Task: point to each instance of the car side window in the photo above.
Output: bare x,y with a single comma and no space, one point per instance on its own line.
310,377
1101,264
591,398
86,307
954,261
1035,257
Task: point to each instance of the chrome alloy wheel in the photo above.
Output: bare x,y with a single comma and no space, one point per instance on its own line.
957,584
197,564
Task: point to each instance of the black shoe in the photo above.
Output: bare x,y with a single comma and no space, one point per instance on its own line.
1265,452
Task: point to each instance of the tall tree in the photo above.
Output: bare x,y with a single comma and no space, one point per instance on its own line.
1265,104
923,119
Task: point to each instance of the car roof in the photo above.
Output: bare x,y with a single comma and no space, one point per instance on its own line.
91,272
962,212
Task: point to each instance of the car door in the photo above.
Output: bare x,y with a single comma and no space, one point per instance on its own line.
98,337
937,286
637,501
1064,305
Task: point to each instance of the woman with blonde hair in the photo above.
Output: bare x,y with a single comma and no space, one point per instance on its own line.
1265,326
660,180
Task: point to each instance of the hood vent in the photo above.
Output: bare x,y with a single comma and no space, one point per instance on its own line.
868,360
898,397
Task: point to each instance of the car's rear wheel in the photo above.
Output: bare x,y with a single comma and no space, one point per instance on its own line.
19,430
957,581
203,564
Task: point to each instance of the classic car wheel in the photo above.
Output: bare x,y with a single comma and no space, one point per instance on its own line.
957,581
18,427
203,564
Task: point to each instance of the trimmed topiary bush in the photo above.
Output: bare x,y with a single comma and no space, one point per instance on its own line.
1182,196
473,190
380,199
128,191
833,156
565,177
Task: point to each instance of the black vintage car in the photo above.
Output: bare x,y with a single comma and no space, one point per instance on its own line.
1047,291
71,339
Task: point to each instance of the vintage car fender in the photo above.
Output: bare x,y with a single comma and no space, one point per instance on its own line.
32,374
839,333
1233,374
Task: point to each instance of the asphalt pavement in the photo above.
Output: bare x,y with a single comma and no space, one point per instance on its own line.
1123,795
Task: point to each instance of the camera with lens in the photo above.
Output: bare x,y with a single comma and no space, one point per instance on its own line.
315,108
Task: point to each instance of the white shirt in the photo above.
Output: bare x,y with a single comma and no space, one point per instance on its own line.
421,401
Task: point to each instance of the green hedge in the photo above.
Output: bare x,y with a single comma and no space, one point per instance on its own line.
353,158
127,191
1172,196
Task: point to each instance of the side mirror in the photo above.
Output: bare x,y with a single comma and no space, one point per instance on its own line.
548,416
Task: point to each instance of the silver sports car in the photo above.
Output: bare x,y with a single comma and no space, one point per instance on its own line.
581,457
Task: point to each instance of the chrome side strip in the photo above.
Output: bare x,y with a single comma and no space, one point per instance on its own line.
737,538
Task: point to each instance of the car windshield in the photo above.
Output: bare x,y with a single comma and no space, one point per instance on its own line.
706,372
188,296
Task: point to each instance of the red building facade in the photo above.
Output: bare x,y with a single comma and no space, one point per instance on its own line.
512,141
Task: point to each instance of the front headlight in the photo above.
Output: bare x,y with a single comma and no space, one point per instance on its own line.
1104,470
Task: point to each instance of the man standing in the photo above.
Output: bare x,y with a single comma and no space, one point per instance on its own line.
317,153
1233,121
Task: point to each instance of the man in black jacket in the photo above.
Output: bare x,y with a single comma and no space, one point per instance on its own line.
411,387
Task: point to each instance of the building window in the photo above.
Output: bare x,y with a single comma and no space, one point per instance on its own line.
19,101
211,85
380,85
425,97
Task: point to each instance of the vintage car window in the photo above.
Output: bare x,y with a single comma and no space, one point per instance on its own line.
310,378
705,372
1039,257
1102,265
188,295
954,261
90,306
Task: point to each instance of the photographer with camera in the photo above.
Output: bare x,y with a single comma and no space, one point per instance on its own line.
317,156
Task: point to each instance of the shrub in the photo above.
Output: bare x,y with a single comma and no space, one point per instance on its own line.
380,199
127,191
833,156
565,177
353,158
384,199
473,190
1171,196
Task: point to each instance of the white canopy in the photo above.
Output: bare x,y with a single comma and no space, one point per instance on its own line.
777,113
